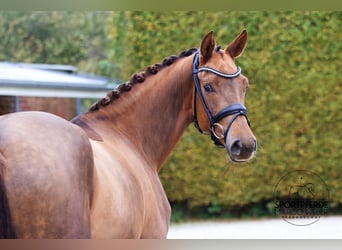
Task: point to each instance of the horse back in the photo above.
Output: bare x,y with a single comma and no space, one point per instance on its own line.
46,172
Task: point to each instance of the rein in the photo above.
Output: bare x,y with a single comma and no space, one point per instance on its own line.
234,109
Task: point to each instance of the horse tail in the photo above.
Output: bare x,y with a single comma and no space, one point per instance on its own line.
6,226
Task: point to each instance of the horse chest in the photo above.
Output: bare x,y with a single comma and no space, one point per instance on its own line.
129,202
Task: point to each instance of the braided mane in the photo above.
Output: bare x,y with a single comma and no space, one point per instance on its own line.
138,78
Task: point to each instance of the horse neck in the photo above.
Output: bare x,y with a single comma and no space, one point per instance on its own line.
153,114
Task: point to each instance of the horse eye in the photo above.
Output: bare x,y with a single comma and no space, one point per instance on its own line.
208,88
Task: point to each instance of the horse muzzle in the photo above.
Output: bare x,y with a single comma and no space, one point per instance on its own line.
241,149
240,144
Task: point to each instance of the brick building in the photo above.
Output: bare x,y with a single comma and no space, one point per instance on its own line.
57,89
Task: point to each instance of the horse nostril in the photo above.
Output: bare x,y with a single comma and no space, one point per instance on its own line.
255,146
235,149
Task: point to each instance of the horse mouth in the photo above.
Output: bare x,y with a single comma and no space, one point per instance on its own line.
239,161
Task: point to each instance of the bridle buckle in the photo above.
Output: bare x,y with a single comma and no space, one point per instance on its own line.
213,131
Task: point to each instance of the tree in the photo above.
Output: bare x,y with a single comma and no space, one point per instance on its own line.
76,38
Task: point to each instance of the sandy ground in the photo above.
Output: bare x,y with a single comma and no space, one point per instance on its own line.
324,228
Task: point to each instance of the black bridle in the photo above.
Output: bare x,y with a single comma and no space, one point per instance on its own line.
234,109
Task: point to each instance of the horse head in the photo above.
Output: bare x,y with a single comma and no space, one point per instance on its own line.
221,89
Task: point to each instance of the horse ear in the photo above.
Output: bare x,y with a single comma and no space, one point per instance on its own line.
207,47
236,47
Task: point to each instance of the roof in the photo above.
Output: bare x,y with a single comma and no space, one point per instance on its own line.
48,80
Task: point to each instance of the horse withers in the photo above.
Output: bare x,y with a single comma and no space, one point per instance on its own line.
97,176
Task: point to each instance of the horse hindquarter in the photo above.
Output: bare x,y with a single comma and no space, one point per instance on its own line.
6,227
47,176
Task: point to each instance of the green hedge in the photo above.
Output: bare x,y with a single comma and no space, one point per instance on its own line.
293,61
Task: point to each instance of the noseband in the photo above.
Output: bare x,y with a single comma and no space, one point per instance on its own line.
234,109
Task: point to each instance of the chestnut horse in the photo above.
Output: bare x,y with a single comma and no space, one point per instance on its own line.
97,176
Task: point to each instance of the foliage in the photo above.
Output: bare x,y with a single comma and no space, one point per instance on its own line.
292,60
75,38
